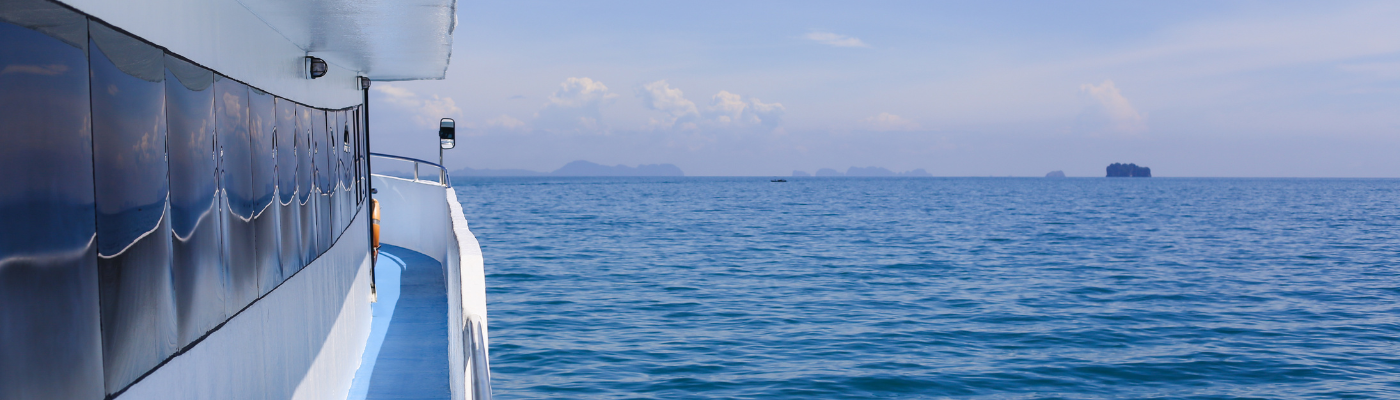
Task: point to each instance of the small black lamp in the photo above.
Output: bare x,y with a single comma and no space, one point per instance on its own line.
315,67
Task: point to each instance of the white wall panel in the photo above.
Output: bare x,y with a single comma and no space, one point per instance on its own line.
413,215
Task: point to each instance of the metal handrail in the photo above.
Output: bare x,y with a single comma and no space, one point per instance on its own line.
478,365
442,172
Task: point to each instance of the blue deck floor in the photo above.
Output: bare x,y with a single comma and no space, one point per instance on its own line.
406,357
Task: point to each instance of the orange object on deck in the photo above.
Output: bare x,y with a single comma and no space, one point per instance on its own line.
374,227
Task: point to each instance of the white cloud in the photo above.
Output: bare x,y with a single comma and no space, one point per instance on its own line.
731,110
423,111
576,105
727,107
1108,110
660,96
769,114
832,39
579,92
439,107
396,94
726,110
505,121
890,122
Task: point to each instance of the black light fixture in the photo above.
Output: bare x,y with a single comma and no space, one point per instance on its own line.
364,83
316,67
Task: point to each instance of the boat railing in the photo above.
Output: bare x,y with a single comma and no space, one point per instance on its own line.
436,174
478,363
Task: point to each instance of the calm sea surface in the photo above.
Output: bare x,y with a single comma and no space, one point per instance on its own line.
998,288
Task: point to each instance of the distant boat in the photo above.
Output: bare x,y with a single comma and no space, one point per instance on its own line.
779,180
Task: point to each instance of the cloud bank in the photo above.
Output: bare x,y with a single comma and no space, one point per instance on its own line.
677,111
575,106
725,110
425,112
732,110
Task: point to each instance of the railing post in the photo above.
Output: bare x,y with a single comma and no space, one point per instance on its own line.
415,171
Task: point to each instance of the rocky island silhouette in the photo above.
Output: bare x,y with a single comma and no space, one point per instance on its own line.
1119,170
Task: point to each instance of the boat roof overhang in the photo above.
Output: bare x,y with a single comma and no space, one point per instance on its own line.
263,43
385,40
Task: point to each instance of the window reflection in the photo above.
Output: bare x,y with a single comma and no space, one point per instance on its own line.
355,133
306,184
198,269
261,122
325,211
362,156
235,180
133,233
289,214
347,202
338,165
50,336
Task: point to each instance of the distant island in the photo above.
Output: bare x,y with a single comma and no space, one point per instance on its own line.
1117,170
866,171
585,168
581,168
495,172
1055,174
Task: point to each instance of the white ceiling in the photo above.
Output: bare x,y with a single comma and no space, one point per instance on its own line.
386,40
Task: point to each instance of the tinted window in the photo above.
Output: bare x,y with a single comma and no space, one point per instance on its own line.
342,161
347,155
359,145
197,268
306,184
325,213
306,150
290,211
235,178
262,119
359,157
50,337
287,149
262,122
133,235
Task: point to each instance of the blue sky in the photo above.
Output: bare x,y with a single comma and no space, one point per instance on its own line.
956,88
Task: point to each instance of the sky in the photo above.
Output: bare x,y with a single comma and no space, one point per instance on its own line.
988,88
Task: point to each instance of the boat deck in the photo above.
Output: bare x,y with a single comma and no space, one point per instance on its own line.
406,357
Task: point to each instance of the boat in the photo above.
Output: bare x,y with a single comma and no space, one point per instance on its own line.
191,207
779,180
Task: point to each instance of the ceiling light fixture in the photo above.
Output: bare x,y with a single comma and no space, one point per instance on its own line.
315,67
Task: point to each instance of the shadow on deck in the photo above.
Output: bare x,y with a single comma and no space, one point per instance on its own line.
406,357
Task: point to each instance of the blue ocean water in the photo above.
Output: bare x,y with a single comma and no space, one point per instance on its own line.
995,288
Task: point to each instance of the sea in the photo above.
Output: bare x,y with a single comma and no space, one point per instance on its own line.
923,288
